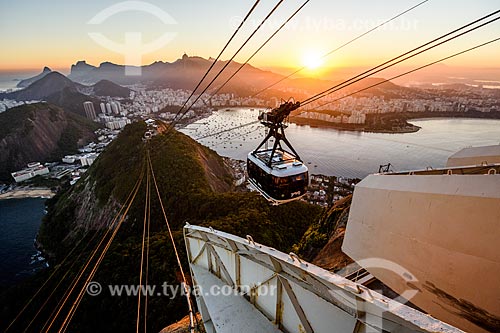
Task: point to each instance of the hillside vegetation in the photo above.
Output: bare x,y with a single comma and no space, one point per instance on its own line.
196,186
322,242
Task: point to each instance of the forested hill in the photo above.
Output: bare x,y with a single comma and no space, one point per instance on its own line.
195,185
39,132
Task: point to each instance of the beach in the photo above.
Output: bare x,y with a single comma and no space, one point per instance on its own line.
21,193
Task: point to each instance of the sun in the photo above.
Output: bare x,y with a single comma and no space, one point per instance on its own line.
312,59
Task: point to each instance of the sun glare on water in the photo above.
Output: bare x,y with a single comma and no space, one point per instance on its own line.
312,60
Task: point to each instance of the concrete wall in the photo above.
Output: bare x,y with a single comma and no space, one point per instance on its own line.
444,231
475,156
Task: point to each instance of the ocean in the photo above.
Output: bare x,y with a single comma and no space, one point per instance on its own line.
20,220
351,154
9,80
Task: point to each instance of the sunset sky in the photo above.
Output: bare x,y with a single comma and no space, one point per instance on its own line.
55,33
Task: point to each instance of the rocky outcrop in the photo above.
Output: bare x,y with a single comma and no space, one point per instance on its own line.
80,71
322,242
182,326
180,74
27,82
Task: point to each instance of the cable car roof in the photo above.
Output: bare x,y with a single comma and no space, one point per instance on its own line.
284,164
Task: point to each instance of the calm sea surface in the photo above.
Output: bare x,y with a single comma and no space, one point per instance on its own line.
9,80
19,223
350,154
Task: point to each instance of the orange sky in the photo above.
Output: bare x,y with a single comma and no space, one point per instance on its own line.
56,33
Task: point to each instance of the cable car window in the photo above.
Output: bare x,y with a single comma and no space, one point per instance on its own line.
298,178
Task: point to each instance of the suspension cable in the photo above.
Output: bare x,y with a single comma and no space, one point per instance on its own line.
388,63
142,249
58,266
250,58
345,96
147,250
217,58
408,55
413,70
68,271
172,124
64,299
341,46
257,51
361,76
184,281
113,224
77,302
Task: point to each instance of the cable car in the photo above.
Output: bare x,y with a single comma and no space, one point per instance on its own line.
278,174
147,136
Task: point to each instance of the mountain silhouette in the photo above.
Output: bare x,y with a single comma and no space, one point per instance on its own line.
27,82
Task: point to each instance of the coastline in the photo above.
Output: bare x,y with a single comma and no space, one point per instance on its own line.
352,128
23,193
404,119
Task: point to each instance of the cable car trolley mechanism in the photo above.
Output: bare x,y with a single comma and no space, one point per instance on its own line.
278,174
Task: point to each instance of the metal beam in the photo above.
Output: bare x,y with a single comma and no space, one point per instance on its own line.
296,305
325,295
221,267
195,259
279,305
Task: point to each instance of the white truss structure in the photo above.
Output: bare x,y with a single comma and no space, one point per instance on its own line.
243,286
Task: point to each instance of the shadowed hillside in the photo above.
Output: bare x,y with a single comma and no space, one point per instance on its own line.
108,88
39,132
195,186
57,89
322,242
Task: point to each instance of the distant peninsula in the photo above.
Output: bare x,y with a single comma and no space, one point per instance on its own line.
394,122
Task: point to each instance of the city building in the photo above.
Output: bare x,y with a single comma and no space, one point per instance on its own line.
88,159
69,159
117,123
114,108
33,170
89,110
6,104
